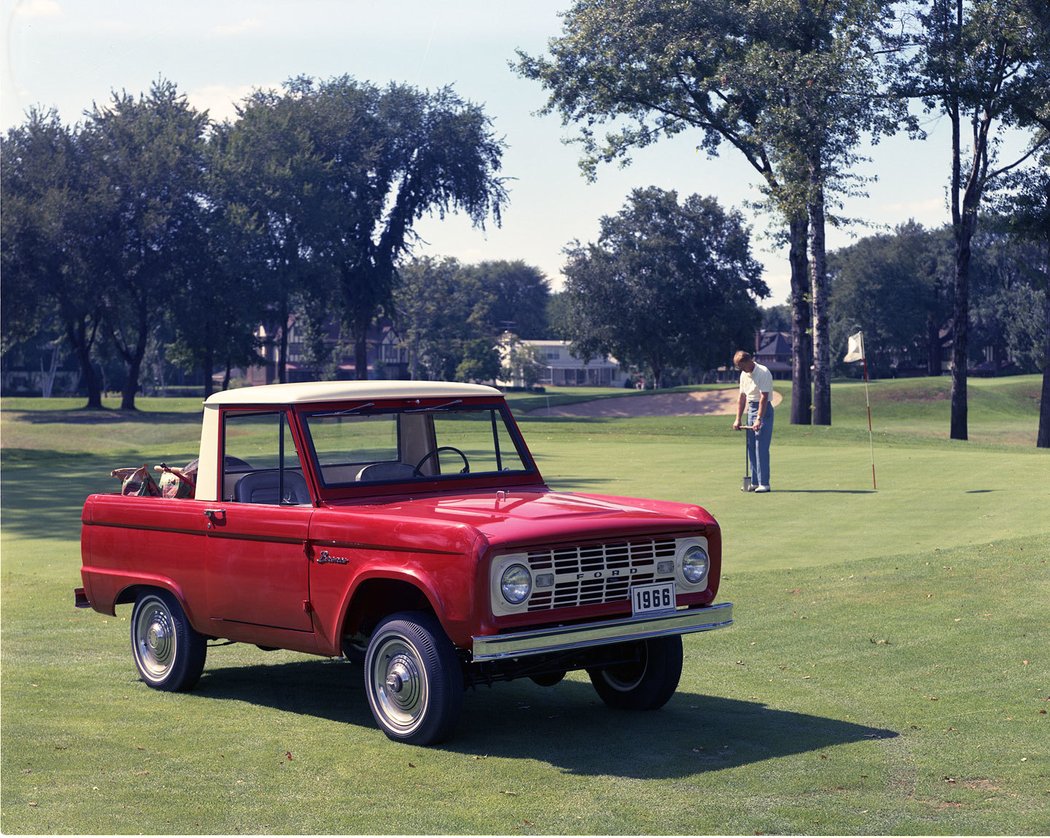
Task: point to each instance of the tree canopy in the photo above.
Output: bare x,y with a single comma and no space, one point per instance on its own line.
448,313
151,228
666,284
46,244
985,65
789,84
147,158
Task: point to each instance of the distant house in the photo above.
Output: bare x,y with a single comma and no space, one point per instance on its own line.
561,368
773,350
387,357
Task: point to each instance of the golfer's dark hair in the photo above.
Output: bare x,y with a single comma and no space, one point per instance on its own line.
740,357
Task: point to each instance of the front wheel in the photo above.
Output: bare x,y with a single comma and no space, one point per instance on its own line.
413,679
646,683
168,651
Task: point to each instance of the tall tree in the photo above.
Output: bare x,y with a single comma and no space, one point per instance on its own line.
512,296
49,210
222,297
888,285
433,303
789,84
148,157
666,284
390,156
1026,209
270,175
985,66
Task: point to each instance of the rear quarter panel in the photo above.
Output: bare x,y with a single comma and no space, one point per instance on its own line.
129,541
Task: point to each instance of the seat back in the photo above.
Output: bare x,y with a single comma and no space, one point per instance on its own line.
264,487
386,471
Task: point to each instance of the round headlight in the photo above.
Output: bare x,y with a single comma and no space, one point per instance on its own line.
695,564
516,584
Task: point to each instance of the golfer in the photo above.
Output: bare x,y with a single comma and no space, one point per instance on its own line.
756,395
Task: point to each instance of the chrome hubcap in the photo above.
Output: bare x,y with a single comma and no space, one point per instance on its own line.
399,684
156,643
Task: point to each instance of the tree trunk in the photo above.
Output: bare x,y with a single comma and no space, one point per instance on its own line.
131,382
657,370
933,346
131,385
76,334
801,345
413,362
47,384
961,325
209,362
1043,438
282,344
360,331
361,358
819,298
133,362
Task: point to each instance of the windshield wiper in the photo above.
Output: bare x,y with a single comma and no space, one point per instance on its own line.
435,407
348,412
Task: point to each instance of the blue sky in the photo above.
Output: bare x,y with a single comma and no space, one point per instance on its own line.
68,54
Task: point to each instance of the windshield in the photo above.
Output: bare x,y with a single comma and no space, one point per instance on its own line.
444,441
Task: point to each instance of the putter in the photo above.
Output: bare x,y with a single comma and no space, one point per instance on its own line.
745,485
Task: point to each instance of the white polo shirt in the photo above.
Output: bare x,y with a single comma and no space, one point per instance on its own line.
756,382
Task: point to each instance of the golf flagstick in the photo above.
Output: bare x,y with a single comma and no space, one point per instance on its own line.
855,352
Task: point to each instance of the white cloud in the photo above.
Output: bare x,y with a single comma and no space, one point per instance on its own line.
920,209
38,8
239,27
220,99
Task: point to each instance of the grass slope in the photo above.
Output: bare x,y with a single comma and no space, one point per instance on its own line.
887,673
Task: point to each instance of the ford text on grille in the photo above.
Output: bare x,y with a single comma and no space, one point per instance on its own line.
598,573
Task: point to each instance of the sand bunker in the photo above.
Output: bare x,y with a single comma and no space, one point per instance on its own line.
698,403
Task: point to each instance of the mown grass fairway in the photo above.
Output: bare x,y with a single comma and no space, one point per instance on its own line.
888,672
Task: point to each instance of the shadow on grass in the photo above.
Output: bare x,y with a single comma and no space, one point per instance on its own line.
84,416
44,491
566,725
826,492
536,417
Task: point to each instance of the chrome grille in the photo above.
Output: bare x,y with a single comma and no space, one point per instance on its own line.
597,573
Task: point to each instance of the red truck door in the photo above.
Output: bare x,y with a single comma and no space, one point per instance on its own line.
257,565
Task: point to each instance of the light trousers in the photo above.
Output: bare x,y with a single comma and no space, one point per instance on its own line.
758,444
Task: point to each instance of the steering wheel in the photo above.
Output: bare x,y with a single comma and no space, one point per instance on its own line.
466,465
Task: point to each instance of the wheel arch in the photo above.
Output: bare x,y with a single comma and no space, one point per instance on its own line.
378,597
131,592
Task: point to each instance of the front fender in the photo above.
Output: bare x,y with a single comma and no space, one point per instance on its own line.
400,586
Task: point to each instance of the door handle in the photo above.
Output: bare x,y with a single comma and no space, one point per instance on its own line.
216,517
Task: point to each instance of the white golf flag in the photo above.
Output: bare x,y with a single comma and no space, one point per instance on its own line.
855,350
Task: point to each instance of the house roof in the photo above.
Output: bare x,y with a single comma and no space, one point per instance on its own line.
774,343
327,391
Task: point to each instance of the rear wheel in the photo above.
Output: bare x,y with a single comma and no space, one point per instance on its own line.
645,683
413,679
168,651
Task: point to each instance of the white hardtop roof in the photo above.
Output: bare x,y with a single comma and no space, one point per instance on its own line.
333,391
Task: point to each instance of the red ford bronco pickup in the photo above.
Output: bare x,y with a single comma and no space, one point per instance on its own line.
404,524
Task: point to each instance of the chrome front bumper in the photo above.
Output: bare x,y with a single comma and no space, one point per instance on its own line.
567,638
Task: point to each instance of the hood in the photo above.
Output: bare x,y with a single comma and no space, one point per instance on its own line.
535,516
